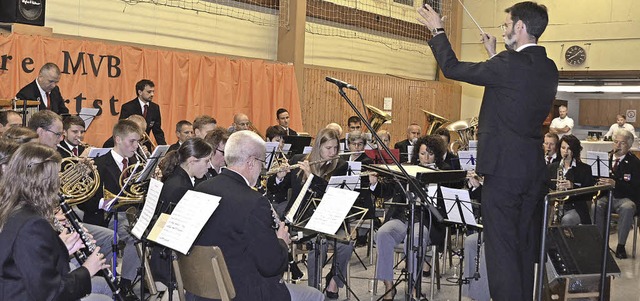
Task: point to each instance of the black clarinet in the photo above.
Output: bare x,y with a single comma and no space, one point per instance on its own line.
90,247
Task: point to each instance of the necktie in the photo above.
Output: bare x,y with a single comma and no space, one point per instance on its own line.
549,159
125,164
144,112
75,151
615,165
48,100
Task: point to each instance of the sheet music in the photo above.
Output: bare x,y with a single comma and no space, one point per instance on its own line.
468,159
87,115
307,150
97,152
355,167
349,182
332,210
296,204
271,149
187,219
150,204
157,227
453,213
152,162
412,170
592,159
409,152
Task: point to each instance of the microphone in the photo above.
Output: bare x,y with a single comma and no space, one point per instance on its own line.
340,83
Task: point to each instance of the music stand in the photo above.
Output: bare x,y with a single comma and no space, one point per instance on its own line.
379,157
599,162
297,143
468,159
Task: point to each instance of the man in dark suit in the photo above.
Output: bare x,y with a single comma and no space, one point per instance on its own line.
45,90
184,131
282,115
110,166
203,124
413,133
242,226
520,86
73,127
48,126
625,179
144,106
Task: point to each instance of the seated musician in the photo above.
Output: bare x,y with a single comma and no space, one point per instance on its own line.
180,168
35,261
243,227
413,133
9,119
325,148
282,116
550,147
217,138
110,166
48,126
184,131
147,146
430,152
385,136
71,145
625,178
575,174
276,134
7,148
203,124
241,122
277,194
357,141
20,134
450,157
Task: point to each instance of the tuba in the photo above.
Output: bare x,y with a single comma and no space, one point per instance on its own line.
434,121
79,180
465,129
377,117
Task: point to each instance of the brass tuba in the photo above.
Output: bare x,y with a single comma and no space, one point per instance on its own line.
465,130
377,117
79,180
434,121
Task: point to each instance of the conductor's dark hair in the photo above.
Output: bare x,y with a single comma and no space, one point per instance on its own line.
532,14
193,147
143,83
574,146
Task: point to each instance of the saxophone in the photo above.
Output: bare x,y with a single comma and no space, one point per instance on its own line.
90,247
559,202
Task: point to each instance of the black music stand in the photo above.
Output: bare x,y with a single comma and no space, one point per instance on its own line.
297,143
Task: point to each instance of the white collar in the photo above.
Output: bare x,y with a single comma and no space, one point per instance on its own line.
43,94
142,103
69,145
525,46
118,158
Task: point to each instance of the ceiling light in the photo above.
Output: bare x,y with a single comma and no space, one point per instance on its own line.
594,89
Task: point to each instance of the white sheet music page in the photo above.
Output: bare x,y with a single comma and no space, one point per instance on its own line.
467,159
332,210
453,212
187,219
150,204
596,159
355,167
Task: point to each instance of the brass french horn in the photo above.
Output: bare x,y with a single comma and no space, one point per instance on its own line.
133,192
79,180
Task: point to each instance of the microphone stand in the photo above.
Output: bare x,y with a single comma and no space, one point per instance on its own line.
413,186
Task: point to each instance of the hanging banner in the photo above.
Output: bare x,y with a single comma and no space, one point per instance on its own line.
103,76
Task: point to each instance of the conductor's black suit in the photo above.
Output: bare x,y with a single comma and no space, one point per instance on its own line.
520,87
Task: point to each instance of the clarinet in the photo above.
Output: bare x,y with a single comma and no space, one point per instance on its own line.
90,247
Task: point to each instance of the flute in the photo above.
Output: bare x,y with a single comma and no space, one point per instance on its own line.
274,171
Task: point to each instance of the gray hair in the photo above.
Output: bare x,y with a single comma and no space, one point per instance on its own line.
628,136
242,145
357,135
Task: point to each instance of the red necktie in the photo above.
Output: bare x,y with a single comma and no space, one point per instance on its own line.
144,111
48,100
125,164
75,151
615,165
549,159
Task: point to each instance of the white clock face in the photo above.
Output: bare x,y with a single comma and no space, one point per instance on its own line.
575,55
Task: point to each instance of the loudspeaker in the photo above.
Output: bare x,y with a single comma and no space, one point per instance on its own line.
22,11
577,250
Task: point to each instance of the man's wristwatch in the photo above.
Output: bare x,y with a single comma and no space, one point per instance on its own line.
436,31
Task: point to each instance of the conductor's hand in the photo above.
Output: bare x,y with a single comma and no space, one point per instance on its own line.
489,42
95,262
429,17
283,233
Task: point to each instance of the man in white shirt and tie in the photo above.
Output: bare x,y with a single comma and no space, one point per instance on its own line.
74,129
563,124
621,123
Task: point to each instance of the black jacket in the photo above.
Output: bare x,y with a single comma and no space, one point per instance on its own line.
66,152
31,92
242,227
627,177
35,262
404,152
154,119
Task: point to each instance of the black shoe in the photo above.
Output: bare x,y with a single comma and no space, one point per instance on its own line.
126,291
621,253
330,295
393,295
361,241
296,273
426,274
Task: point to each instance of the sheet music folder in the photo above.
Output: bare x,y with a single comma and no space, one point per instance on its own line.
422,174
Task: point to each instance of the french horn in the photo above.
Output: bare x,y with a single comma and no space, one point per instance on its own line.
133,192
79,180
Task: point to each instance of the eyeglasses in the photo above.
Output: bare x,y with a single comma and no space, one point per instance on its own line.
504,26
263,161
620,142
219,150
58,134
244,124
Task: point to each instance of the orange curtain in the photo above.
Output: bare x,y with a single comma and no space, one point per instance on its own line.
102,75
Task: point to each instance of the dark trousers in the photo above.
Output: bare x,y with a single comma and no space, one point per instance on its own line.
512,217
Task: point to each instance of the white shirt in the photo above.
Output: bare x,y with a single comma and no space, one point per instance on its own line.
614,127
142,104
559,123
43,94
118,158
